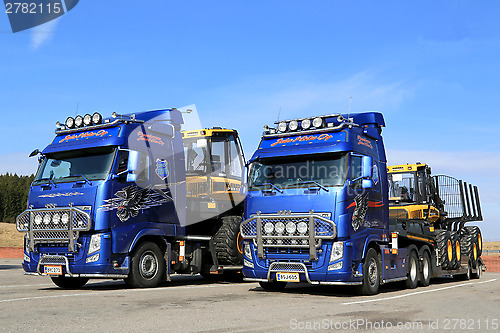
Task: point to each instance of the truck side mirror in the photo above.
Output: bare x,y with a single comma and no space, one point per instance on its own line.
133,161
366,172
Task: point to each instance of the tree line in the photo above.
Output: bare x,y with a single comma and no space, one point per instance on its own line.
14,191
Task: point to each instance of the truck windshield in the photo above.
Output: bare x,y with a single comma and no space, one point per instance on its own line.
298,171
402,186
84,164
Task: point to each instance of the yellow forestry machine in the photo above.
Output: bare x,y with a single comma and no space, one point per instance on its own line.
433,211
215,192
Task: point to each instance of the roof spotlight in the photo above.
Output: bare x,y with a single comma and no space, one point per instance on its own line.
87,119
293,125
306,123
78,121
282,126
318,122
70,122
96,118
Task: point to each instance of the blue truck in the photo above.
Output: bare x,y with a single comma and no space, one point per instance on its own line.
321,208
134,197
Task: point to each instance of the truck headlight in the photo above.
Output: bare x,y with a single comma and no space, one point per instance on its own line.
93,258
337,251
279,227
95,243
248,251
302,227
268,228
291,227
65,218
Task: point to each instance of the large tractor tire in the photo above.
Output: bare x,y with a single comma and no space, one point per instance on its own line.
475,232
147,266
69,282
228,239
444,247
465,242
457,255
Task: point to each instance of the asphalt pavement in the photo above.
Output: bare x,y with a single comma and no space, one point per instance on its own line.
193,304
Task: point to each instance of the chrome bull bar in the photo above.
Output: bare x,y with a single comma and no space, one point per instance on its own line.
318,228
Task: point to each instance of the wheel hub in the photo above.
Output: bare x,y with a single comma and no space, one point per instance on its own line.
148,265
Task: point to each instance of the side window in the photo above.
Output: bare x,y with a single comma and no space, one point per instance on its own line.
142,170
218,157
236,160
356,170
122,161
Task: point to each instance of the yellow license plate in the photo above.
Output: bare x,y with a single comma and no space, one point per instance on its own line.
52,270
287,277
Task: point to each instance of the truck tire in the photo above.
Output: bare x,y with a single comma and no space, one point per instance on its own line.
456,254
371,274
228,241
69,282
412,274
147,266
273,285
426,271
442,238
475,232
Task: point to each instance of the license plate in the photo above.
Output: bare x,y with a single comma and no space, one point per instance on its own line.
53,270
287,277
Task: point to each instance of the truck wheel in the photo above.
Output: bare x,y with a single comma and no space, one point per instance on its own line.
425,275
444,247
371,274
146,266
228,241
69,282
475,232
412,274
477,275
273,286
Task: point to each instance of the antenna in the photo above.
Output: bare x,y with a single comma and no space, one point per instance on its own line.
279,112
77,105
349,113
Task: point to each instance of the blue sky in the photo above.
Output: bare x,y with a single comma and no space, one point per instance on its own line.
430,67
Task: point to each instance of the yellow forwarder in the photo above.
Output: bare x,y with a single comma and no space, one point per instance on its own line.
433,210
214,176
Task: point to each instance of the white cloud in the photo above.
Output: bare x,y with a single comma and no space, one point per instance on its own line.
42,33
18,163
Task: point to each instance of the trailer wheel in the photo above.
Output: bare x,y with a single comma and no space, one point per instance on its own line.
444,248
412,274
475,232
477,274
273,285
146,266
425,275
371,274
69,282
228,241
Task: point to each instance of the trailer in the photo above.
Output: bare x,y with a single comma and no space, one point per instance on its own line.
318,210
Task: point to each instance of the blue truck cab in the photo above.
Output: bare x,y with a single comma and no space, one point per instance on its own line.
317,210
109,201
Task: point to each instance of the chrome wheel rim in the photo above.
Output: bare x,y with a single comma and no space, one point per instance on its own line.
413,269
148,265
372,272
425,271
